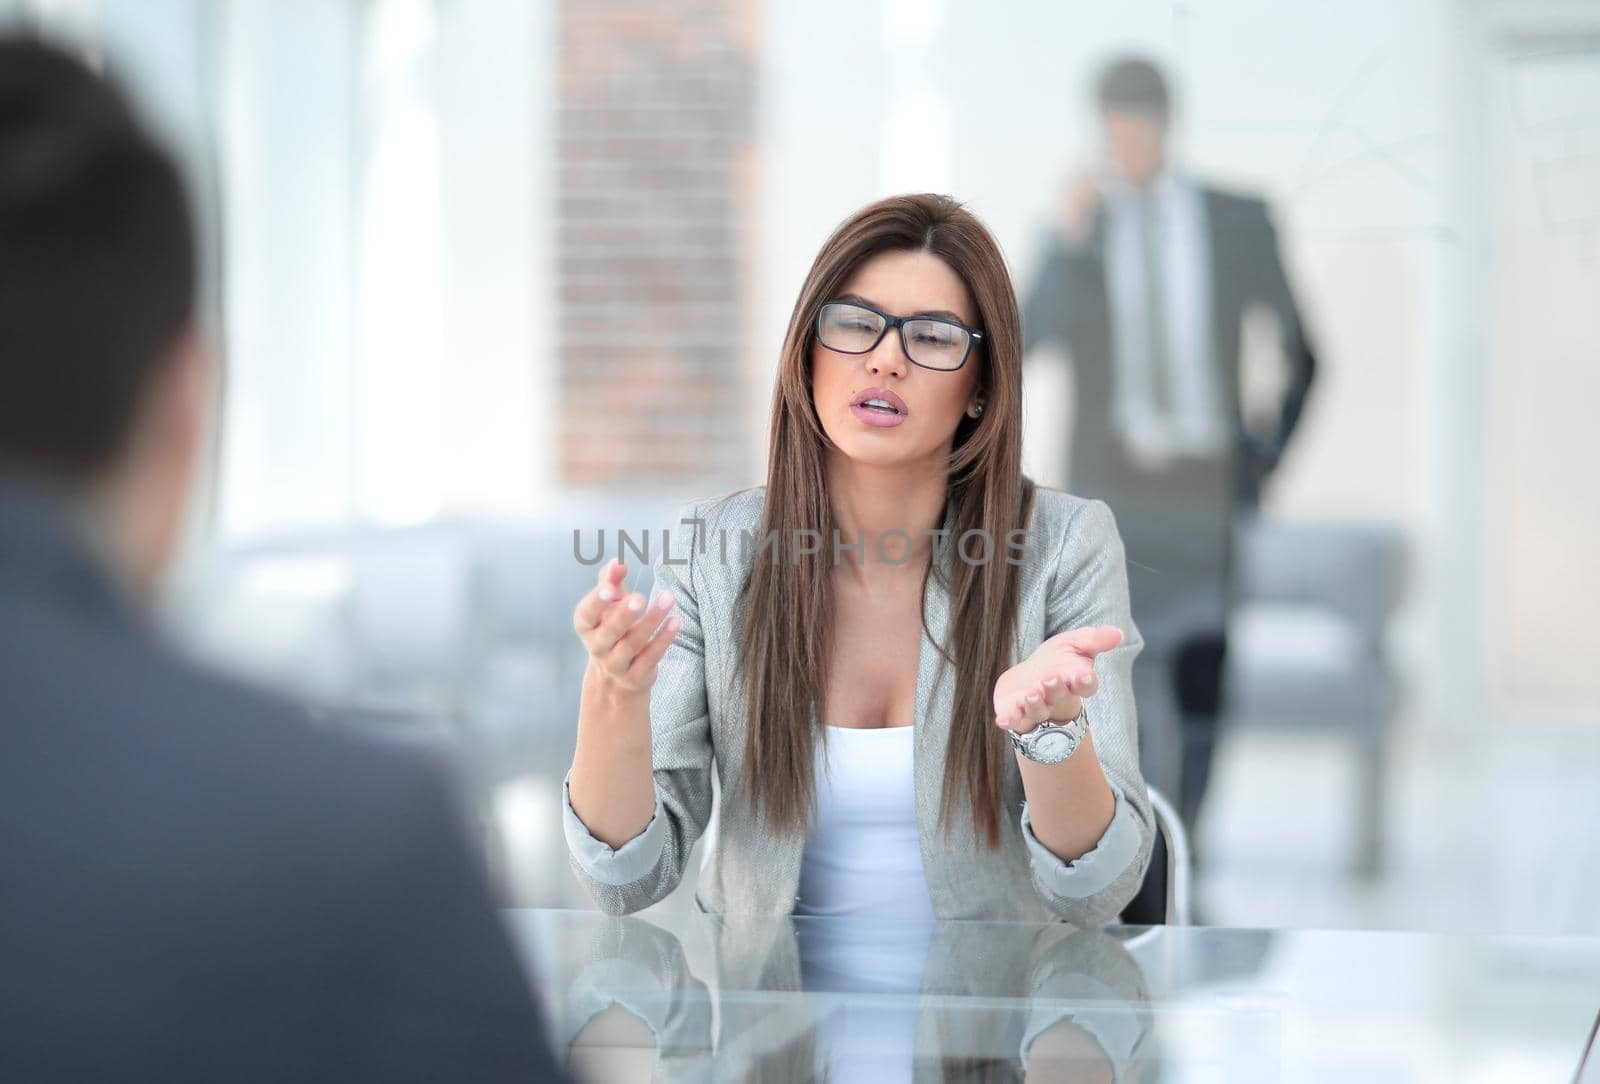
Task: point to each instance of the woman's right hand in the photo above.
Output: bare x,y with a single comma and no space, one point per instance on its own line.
623,632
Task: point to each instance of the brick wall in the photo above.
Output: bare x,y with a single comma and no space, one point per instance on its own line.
656,170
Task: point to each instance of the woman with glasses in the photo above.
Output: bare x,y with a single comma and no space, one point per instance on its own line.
901,667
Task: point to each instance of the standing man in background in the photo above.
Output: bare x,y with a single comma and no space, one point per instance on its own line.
196,882
1146,280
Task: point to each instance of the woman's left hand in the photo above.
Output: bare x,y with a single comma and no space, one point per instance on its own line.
1052,682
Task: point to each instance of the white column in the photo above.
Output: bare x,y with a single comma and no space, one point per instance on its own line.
287,88
496,74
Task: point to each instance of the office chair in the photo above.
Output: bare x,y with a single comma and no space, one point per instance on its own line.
1163,898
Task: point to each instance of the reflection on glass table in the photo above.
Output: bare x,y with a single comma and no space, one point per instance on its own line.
706,997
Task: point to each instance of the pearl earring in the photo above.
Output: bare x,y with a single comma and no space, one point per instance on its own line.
977,409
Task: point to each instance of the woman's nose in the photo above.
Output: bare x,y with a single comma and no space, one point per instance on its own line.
888,356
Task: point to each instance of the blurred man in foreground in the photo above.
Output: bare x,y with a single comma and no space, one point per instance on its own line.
196,883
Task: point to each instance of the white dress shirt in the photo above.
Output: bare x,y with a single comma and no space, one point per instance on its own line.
1193,421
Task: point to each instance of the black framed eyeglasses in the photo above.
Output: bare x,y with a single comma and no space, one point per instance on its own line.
933,342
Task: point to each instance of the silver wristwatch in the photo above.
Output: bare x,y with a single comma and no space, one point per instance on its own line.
1052,742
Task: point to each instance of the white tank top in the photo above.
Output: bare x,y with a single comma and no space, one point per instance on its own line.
863,855
864,858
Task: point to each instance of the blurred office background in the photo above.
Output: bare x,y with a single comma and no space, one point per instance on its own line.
487,272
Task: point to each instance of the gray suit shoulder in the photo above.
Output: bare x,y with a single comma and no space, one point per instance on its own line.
715,527
1237,206
731,511
1063,519
1055,510
1233,196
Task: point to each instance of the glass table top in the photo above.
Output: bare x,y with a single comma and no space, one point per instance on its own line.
703,997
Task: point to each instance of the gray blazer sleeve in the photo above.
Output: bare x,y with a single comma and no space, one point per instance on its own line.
1090,587
648,867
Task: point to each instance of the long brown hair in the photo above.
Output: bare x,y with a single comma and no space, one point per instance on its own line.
787,634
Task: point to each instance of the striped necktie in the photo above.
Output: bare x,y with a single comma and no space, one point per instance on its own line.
1159,373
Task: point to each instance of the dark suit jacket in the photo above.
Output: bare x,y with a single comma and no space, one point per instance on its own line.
1070,303
197,883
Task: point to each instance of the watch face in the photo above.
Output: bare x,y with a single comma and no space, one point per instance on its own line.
1053,745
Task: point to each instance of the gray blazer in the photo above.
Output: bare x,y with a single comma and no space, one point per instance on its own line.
1073,575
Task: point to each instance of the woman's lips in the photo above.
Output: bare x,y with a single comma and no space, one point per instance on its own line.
876,416
880,408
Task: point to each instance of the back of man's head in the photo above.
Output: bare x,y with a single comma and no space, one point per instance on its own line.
97,264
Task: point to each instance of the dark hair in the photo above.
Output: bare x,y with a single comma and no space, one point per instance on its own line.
1134,84
97,262
784,649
